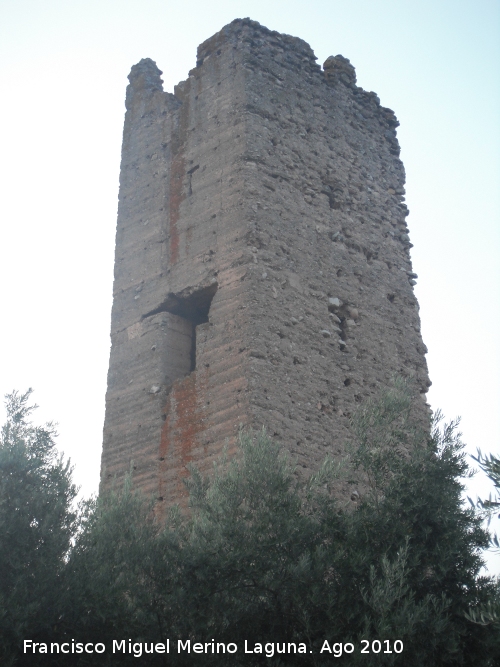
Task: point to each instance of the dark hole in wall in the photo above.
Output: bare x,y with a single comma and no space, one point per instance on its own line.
193,307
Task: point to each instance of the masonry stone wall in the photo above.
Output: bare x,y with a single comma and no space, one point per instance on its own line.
262,271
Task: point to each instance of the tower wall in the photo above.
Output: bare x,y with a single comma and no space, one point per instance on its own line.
262,272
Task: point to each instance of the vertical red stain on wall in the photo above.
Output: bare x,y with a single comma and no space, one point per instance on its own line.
185,418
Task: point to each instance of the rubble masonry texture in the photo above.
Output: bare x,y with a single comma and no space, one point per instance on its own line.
262,271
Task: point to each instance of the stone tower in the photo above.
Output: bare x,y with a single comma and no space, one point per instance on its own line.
262,271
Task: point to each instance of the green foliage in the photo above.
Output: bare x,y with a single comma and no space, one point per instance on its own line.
36,526
414,494
491,466
489,613
264,555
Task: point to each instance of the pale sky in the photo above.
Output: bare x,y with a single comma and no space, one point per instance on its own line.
63,73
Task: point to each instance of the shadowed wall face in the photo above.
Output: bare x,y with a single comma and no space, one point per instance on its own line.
262,271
